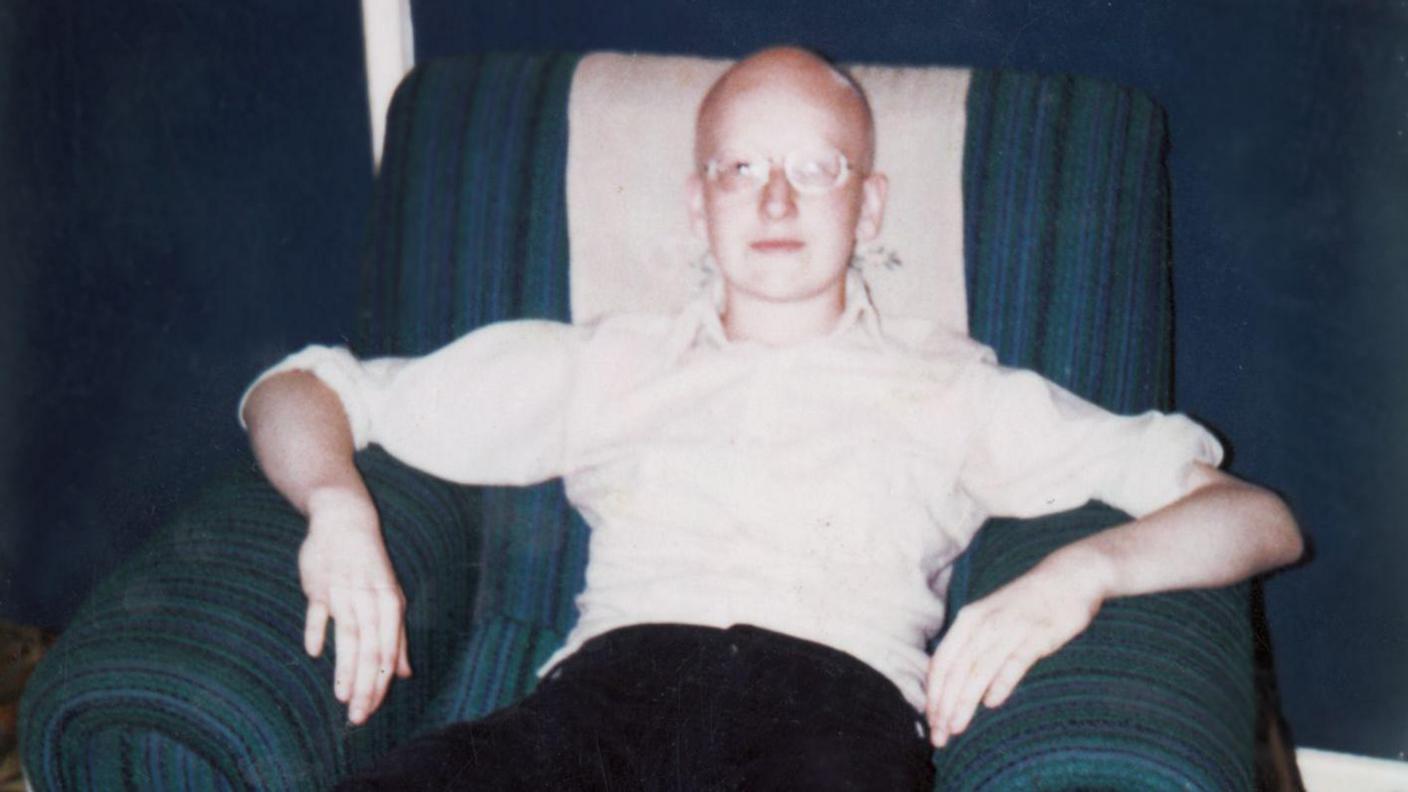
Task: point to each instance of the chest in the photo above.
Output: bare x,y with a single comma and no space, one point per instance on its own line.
780,439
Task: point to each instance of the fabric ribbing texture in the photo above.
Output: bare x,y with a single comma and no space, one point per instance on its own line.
469,227
186,669
469,220
1067,259
1066,234
1157,694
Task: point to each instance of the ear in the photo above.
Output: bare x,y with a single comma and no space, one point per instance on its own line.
872,206
694,199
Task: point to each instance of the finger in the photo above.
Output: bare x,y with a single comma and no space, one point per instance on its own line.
1012,672
984,669
403,657
388,634
943,669
367,660
958,667
941,664
972,670
345,648
938,673
315,628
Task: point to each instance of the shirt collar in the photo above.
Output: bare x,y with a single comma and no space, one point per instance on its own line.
701,324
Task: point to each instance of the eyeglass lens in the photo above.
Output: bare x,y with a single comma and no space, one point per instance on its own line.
808,171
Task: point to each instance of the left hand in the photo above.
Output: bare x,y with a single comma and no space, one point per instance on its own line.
995,640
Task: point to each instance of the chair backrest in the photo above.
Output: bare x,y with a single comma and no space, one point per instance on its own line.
1065,255
1064,217
631,146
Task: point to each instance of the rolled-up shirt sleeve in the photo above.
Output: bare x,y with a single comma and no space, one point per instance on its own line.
490,408
1039,448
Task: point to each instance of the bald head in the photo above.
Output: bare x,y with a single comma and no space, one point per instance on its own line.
787,70
782,219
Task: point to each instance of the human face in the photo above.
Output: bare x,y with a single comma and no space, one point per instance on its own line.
771,242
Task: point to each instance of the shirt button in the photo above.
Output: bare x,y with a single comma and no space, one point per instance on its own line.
733,648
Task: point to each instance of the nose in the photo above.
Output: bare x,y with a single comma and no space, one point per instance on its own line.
777,200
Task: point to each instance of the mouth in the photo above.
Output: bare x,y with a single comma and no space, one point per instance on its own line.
777,245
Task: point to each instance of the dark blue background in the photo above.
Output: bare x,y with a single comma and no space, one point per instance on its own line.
185,188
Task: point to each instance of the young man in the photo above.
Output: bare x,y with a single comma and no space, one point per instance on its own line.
776,484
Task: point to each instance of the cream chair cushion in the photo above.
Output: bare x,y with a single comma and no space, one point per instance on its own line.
631,122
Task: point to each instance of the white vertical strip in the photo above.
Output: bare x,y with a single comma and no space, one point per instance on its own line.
389,41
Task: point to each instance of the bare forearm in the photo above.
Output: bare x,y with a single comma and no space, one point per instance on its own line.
303,442
301,438
1223,532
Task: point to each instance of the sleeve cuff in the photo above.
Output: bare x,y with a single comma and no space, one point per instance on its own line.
1161,471
338,369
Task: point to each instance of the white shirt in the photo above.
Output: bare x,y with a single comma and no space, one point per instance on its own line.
820,490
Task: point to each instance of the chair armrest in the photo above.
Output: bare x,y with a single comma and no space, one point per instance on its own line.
186,669
1157,694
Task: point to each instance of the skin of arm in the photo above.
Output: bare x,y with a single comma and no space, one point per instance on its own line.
301,437
1222,532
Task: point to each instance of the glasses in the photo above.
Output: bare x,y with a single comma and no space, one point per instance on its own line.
809,172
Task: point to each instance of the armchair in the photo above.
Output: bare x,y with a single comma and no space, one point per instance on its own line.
185,669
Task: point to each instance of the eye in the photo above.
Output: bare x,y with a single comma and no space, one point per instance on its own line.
734,171
816,171
745,168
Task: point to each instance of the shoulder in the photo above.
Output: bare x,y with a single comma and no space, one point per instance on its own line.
620,349
636,335
616,336
516,338
631,327
926,340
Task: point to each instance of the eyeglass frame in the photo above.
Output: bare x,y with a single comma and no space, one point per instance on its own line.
712,173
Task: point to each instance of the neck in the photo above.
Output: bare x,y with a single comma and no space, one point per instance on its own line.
778,324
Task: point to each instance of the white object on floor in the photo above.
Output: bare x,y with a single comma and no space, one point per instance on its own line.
1328,771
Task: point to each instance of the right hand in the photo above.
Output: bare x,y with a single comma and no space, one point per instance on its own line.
348,577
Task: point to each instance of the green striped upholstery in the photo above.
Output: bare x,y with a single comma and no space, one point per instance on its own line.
185,669
1157,694
469,219
1066,252
475,167
1066,240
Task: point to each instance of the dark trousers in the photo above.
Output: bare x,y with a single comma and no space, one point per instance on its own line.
672,707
